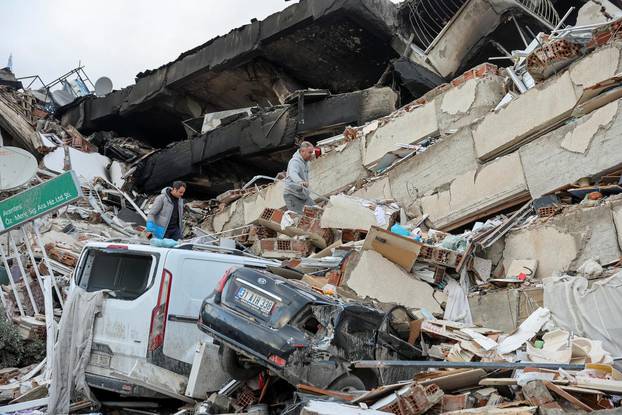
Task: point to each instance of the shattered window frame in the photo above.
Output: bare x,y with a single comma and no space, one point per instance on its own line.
118,293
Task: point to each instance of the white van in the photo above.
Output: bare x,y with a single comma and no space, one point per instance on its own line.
145,338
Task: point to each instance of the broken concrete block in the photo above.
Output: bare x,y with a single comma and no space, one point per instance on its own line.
461,105
477,193
375,190
346,212
307,225
403,127
579,139
473,23
376,277
521,266
531,112
600,141
504,309
574,236
439,164
592,13
270,197
337,169
601,64
247,209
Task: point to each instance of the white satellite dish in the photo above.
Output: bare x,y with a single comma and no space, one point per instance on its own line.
103,86
17,167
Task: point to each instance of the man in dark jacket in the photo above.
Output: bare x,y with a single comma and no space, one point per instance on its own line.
166,216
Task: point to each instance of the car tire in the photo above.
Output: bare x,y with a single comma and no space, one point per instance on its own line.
230,363
347,383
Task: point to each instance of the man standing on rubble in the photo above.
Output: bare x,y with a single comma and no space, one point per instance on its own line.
296,193
166,216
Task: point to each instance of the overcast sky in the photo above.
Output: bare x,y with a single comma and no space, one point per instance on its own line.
114,38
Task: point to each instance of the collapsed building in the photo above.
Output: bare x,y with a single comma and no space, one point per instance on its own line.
472,191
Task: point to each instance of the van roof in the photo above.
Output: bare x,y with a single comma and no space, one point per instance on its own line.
198,250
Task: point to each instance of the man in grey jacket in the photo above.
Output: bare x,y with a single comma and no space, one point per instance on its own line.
166,216
296,193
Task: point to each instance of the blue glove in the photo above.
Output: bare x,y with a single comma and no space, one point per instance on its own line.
157,231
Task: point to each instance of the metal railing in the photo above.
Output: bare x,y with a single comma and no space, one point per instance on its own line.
429,19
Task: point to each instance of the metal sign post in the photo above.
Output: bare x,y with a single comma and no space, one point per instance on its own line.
19,211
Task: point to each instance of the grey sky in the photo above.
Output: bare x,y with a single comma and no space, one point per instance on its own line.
116,38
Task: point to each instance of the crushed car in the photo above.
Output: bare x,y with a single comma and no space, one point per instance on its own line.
264,321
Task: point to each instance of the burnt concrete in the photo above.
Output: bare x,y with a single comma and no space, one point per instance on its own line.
339,45
234,153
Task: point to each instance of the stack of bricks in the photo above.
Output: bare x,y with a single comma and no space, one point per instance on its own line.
552,57
281,248
439,256
306,225
414,399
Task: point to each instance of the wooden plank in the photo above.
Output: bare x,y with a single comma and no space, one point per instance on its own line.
21,406
559,391
512,381
454,381
600,384
398,249
319,391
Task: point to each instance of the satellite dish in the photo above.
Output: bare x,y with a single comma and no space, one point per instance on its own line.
103,86
17,167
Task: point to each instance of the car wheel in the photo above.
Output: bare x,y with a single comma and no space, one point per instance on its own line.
347,383
230,363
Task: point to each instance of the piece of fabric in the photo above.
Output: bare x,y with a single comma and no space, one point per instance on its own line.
594,312
457,308
73,350
296,204
161,211
297,173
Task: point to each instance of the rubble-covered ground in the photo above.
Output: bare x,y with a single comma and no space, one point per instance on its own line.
468,172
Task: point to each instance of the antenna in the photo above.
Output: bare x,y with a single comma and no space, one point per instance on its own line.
103,86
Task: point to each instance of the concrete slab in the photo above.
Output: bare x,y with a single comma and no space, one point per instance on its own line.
247,209
504,309
533,111
376,277
337,170
547,154
346,212
404,127
464,104
565,241
477,193
599,65
377,190
438,165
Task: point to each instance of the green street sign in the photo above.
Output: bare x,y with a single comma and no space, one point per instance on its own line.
39,200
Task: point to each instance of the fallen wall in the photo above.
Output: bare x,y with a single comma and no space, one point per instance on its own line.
376,277
439,164
564,242
544,105
479,192
584,147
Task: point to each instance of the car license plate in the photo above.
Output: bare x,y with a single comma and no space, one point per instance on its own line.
254,300
99,359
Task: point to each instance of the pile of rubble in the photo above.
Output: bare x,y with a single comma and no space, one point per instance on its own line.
487,204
